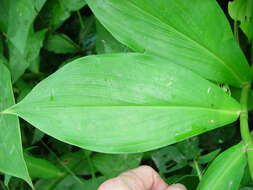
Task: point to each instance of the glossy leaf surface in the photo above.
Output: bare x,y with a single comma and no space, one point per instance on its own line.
12,161
177,30
125,103
226,171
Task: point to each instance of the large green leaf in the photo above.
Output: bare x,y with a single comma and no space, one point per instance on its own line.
193,33
125,103
12,161
226,171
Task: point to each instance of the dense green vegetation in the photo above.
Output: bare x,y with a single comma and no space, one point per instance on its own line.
89,89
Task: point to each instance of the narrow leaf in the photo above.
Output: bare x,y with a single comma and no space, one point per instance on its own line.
40,168
19,62
21,15
226,171
60,43
125,103
194,34
12,161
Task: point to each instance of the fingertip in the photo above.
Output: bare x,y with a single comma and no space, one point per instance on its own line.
176,187
107,185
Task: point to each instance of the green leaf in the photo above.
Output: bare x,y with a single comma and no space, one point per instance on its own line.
23,43
189,148
208,157
19,62
37,136
40,168
106,43
60,43
189,181
226,171
88,184
12,161
56,12
246,188
20,19
169,159
78,162
241,10
125,103
111,165
3,60
4,10
183,31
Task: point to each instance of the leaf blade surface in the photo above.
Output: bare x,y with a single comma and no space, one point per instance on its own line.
125,103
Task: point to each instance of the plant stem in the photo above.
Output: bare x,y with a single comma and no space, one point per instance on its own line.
68,171
244,126
236,34
196,165
80,20
93,175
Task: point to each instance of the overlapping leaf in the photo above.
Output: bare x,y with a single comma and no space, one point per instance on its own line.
16,21
106,43
56,12
125,103
60,43
111,165
226,171
12,161
177,30
242,11
40,168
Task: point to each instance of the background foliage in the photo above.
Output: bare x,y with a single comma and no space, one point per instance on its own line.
39,37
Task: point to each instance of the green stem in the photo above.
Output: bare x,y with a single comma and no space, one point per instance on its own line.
196,166
68,171
80,20
236,34
3,186
244,126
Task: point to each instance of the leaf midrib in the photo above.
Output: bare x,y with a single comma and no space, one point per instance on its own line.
227,111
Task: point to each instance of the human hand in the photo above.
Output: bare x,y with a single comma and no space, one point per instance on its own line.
142,178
